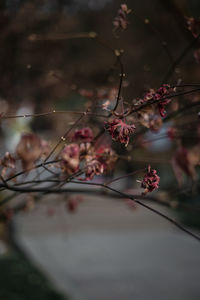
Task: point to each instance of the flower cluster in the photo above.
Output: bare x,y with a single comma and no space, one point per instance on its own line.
93,167
120,131
162,92
120,20
107,157
148,118
70,159
150,181
94,161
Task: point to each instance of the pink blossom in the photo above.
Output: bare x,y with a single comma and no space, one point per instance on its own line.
150,181
93,167
158,95
120,131
70,159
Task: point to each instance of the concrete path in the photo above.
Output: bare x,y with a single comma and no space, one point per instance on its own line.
106,251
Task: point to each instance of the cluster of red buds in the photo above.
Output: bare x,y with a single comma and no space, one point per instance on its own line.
70,159
102,161
150,181
120,131
93,167
163,92
120,20
95,161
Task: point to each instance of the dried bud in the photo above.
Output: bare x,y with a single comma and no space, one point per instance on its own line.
93,167
107,157
120,131
158,95
29,150
150,181
70,158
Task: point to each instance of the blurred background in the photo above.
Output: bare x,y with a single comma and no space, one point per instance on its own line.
107,249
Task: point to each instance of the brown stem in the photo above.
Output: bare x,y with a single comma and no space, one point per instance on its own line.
124,195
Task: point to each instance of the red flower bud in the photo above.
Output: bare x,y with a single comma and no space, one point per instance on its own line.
120,131
150,181
84,134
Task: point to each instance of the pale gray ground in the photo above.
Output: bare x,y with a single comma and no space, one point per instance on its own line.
106,251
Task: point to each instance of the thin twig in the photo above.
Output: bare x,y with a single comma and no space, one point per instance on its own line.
124,195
